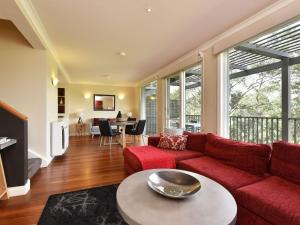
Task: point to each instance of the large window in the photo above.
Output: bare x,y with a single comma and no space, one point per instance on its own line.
264,86
184,99
173,101
192,106
149,107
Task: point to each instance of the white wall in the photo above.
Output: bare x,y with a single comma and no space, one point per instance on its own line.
25,85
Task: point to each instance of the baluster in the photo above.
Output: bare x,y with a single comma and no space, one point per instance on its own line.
295,131
271,130
230,131
248,129
256,129
277,128
253,125
243,129
267,130
237,128
234,127
262,130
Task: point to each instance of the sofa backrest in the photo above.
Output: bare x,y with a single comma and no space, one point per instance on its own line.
195,141
285,161
253,158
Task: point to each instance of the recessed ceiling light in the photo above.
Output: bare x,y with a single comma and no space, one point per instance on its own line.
148,10
122,53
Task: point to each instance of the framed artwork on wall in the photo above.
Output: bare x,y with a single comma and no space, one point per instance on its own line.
104,102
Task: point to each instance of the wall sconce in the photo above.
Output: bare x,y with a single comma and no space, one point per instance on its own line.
87,95
54,81
121,96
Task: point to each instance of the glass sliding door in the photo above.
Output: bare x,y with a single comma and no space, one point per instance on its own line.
173,101
192,100
149,107
184,99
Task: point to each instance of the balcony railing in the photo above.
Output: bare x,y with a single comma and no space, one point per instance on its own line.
192,119
262,129
193,123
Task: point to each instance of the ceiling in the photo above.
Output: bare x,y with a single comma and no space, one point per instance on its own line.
89,35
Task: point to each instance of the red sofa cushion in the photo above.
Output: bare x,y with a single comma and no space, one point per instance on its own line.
285,161
253,158
230,177
275,199
148,157
245,217
133,162
182,155
195,141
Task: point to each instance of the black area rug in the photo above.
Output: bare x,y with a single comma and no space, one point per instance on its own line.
96,206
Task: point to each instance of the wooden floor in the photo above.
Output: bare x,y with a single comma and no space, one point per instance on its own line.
85,165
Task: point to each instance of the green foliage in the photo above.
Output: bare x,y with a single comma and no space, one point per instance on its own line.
260,94
193,101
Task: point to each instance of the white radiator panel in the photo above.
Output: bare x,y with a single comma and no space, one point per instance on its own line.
59,137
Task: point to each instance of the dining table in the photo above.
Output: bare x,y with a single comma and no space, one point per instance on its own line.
122,126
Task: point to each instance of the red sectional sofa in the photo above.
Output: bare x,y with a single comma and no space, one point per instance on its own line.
264,181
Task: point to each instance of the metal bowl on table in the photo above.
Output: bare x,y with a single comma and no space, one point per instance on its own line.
174,184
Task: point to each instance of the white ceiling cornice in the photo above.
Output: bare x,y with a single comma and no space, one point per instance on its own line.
33,19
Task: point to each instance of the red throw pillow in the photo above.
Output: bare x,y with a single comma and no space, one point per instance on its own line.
253,158
195,141
173,142
285,161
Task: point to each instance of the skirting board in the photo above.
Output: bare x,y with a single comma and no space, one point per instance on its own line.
45,161
19,190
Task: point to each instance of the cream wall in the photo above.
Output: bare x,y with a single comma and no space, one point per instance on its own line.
52,71
209,91
77,103
25,85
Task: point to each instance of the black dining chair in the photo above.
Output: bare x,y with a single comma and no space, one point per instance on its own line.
138,130
129,127
107,132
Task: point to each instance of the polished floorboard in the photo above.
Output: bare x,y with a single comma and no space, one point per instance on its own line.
84,165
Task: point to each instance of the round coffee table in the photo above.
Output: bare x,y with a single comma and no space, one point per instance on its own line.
138,204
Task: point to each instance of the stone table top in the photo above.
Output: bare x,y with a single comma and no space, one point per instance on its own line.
211,205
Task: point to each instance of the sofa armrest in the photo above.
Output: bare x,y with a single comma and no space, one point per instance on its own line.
153,140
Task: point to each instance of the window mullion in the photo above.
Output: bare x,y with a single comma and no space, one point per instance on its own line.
285,71
182,100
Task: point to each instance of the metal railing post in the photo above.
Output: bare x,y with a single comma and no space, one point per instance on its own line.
285,71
